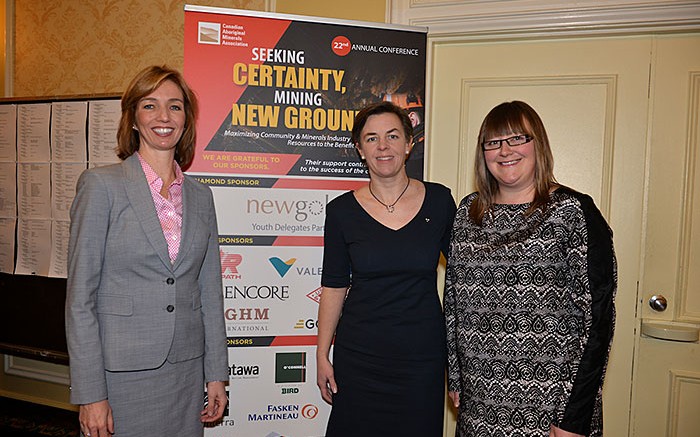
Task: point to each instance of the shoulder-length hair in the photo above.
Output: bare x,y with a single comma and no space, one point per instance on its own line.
508,118
145,83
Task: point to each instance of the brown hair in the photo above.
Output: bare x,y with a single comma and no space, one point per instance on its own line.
383,107
514,117
146,82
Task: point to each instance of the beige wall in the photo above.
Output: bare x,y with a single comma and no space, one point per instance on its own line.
77,47
363,10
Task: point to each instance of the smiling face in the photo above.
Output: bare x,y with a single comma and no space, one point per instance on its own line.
383,145
513,167
160,118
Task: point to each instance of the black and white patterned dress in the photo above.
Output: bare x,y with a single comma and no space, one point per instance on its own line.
530,317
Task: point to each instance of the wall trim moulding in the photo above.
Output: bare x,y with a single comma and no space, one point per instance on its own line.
506,19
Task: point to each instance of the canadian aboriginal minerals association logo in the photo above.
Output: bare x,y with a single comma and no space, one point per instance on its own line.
209,33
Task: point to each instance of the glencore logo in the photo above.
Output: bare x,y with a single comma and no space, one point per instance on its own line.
282,267
255,292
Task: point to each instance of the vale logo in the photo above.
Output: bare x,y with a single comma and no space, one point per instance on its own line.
282,267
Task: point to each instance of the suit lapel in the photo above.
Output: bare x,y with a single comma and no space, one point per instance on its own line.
189,216
139,195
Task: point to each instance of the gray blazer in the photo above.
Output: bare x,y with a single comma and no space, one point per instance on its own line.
128,307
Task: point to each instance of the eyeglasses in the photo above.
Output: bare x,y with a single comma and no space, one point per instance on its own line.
517,140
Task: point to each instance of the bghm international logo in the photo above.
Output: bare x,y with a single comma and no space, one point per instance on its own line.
290,367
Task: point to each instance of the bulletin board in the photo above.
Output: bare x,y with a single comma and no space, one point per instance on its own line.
45,143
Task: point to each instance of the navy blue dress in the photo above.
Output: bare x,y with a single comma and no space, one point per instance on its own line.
389,355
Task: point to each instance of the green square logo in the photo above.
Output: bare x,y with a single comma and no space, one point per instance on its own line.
290,367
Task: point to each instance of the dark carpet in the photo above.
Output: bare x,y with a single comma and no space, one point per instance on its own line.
26,419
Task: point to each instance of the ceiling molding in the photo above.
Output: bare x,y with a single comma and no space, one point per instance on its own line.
491,19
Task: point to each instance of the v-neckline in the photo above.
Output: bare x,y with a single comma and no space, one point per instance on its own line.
374,219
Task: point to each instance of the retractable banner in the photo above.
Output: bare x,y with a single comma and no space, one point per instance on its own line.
277,96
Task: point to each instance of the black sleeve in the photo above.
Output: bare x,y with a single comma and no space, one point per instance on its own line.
602,282
336,259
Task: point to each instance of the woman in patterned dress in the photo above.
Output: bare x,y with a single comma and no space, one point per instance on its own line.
529,292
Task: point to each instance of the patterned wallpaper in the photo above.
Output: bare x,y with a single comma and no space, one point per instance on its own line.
73,47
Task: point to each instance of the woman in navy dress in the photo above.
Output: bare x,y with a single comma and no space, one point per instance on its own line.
380,301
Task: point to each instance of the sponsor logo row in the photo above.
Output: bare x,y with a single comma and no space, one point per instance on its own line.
231,264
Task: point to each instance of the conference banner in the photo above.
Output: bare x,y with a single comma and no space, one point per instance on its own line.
278,95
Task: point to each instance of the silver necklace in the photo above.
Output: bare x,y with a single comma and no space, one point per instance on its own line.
390,207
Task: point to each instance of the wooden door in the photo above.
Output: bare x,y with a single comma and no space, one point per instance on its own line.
666,399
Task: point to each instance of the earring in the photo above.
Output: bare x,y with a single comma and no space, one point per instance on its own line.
133,126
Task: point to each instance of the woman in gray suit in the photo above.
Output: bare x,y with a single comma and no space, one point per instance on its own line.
144,311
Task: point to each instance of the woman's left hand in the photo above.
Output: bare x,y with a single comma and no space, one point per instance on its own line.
214,410
558,432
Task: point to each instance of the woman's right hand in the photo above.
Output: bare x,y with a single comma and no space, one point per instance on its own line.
454,395
96,419
325,379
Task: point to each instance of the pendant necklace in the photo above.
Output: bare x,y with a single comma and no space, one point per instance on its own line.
390,207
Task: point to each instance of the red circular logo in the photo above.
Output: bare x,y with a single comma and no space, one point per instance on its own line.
341,45
309,411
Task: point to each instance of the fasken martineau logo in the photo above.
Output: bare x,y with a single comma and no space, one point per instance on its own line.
229,265
282,267
309,411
